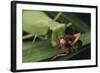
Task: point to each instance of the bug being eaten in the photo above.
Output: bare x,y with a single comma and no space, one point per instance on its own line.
70,42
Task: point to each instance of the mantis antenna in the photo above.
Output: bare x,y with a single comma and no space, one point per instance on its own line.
57,16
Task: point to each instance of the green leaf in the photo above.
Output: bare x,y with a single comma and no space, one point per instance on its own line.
42,50
39,51
67,57
86,38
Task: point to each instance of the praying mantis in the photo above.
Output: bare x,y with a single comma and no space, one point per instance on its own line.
37,24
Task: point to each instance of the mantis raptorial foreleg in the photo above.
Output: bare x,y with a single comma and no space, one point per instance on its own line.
43,37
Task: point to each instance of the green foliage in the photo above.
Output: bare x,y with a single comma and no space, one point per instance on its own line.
40,50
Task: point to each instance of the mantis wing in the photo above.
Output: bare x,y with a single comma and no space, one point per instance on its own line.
35,22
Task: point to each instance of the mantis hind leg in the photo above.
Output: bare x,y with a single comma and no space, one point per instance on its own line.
30,50
35,36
